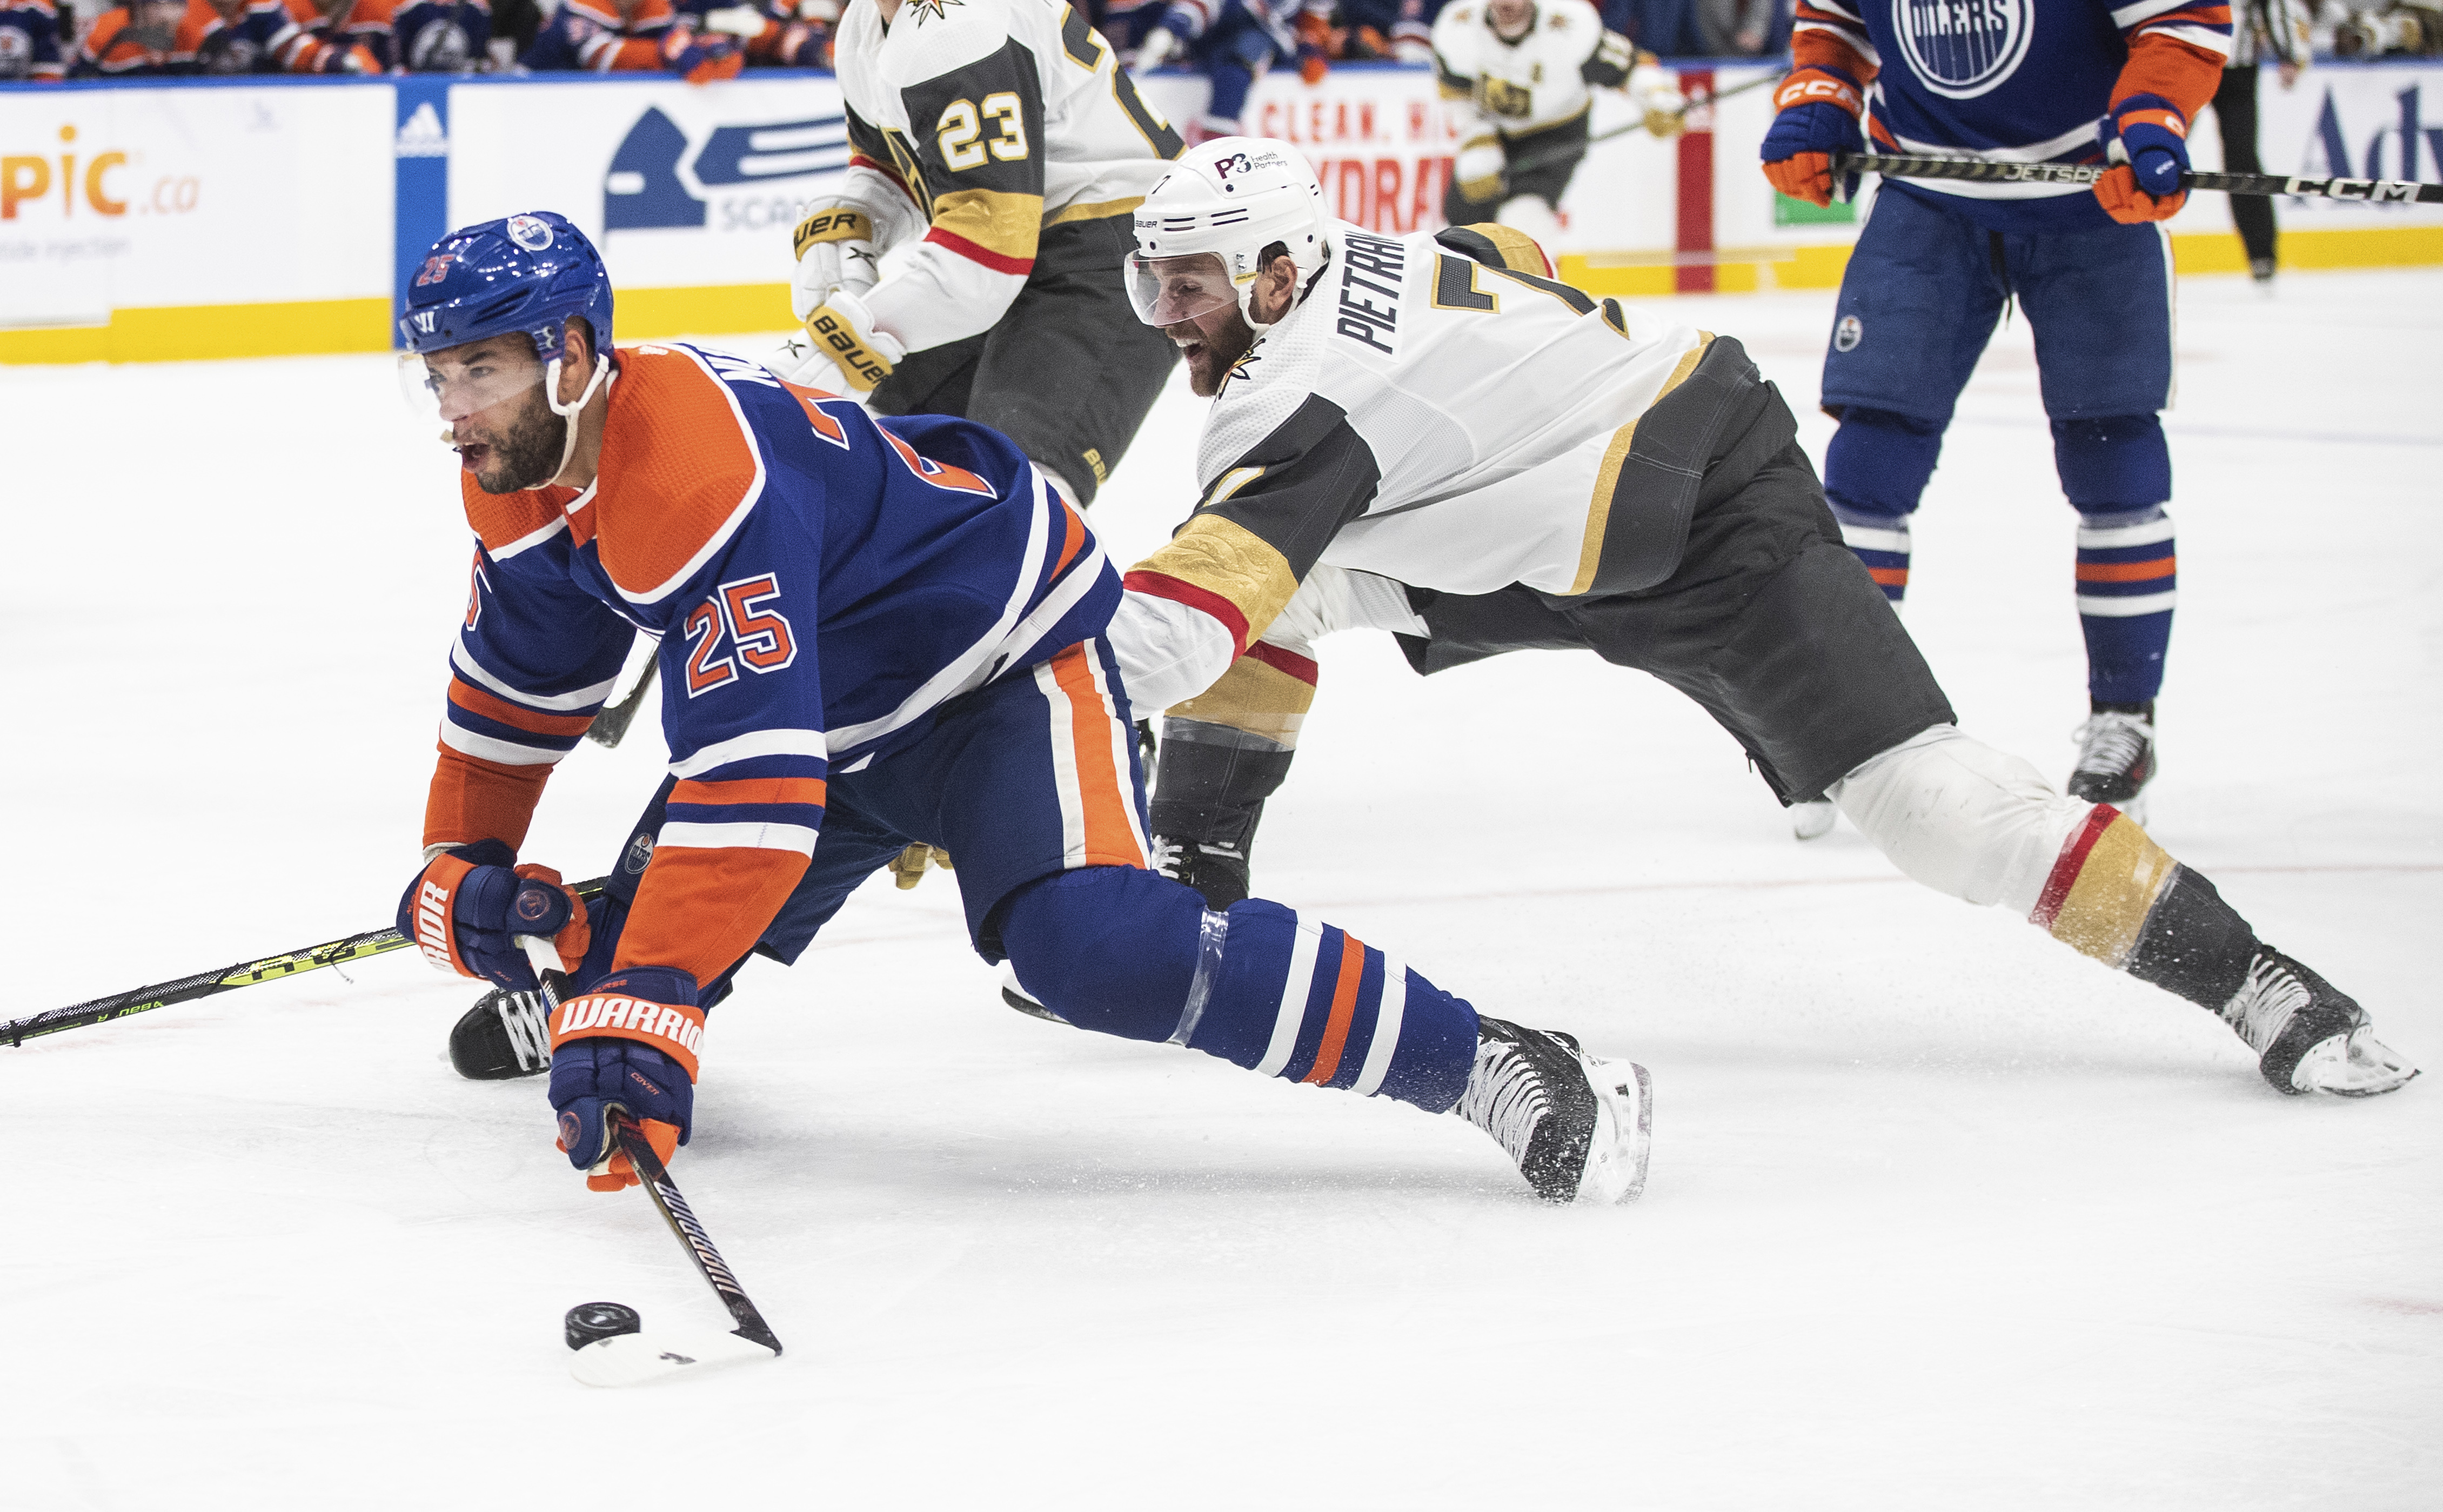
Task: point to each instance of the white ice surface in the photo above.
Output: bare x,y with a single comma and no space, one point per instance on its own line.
1942,1216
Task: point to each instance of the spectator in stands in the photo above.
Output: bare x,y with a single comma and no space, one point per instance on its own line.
795,34
327,24
1126,24
442,36
515,26
1743,29
130,40
29,43
633,36
1236,42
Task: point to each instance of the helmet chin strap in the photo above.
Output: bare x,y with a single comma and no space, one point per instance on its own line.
570,412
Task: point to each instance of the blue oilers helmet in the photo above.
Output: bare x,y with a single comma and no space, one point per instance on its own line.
524,273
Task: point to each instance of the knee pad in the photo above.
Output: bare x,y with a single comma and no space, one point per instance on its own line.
1110,949
1963,818
1878,461
2114,464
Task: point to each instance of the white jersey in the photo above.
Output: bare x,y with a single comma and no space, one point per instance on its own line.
977,124
1538,82
1440,411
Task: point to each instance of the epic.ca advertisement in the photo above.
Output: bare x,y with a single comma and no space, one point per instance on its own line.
115,198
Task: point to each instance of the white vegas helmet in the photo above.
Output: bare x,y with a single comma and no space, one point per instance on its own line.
1232,196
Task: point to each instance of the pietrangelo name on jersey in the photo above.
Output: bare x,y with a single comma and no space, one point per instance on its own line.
1371,271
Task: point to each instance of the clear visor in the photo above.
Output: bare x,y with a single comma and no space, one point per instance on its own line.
1166,290
459,383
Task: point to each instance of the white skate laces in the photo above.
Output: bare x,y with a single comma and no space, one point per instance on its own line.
1578,1127
2283,1011
1505,1098
2110,742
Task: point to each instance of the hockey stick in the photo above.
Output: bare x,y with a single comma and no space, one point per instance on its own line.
245,974
611,726
2373,191
628,1360
1554,154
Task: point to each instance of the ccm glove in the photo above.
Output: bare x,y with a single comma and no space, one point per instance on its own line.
700,58
467,908
2148,142
627,1046
840,352
1818,117
835,250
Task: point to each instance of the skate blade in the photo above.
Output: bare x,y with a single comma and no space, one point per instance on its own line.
2356,1064
1615,1170
633,1359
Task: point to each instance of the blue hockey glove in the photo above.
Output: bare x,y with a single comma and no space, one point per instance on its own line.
467,905
2147,139
629,1044
1818,116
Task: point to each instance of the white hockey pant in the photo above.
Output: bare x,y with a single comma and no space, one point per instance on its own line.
1963,818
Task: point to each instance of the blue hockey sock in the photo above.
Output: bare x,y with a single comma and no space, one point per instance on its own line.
1231,81
1134,953
2117,472
1875,472
1883,543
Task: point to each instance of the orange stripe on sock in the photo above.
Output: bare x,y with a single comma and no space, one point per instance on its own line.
1890,576
1104,794
1344,1007
2126,571
1076,538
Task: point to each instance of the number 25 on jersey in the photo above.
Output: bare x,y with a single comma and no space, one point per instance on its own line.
736,625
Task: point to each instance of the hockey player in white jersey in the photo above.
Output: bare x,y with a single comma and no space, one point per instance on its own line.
1517,77
999,143
1429,436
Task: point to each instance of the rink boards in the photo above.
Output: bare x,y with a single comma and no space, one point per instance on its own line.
206,218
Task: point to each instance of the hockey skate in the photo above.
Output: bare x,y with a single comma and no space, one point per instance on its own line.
2116,757
2309,1036
1578,1127
1218,870
1813,818
506,1035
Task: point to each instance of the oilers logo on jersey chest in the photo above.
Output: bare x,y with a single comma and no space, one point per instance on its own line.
1962,48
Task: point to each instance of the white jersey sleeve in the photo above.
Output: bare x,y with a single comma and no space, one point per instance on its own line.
992,119
1440,411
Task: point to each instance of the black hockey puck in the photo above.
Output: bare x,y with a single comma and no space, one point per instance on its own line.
589,1322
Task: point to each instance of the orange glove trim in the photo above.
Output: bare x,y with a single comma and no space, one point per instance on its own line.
621,1171
675,1029
434,894
1813,87
2122,199
1805,176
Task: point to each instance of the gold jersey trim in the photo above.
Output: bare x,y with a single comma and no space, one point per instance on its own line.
1226,558
1099,210
1256,697
1616,457
994,219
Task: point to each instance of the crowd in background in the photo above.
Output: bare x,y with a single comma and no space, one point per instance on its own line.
703,40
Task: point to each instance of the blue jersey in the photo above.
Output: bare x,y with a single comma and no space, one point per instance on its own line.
442,36
822,582
2014,81
29,41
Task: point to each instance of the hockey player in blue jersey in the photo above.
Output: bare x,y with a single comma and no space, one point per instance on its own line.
2034,81
1236,42
872,633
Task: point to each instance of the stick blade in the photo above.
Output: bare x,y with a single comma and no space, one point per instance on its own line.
636,1359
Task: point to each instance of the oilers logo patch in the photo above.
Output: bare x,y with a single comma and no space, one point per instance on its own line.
640,855
1963,49
1847,334
530,233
